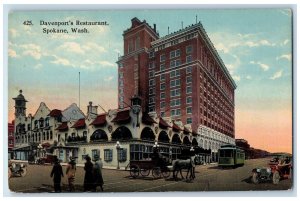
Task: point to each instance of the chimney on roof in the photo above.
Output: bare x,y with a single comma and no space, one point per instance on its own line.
154,27
92,110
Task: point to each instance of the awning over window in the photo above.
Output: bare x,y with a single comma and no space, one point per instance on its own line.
55,113
186,131
122,117
163,124
146,119
176,128
63,127
79,124
100,120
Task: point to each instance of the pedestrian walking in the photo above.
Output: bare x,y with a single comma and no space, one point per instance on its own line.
88,184
57,173
70,172
97,172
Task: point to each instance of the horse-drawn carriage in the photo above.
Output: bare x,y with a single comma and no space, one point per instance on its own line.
161,166
144,167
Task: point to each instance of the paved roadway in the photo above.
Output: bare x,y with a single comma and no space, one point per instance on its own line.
208,178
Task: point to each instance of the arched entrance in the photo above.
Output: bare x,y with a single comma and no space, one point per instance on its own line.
99,135
163,137
147,134
121,133
176,139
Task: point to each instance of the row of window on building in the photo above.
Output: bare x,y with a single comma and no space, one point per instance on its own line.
34,137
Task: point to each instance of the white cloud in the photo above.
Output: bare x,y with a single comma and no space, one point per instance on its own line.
276,75
221,47
93,47
72,47
285,56
13,33
234,64
285,42
63,36
248,77
263,66
12,53
117,51
32,50
108,78
226,41
61,61
236,77
106,63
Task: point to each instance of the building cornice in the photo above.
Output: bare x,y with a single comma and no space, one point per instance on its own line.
200,29
141,50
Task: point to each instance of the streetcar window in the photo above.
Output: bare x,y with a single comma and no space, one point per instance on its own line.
228,153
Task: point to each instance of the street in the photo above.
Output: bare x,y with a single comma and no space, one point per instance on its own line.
208,178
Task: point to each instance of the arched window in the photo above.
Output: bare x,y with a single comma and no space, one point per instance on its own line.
176,139
121,133
147,134
99,135
194,142
163,137
186,141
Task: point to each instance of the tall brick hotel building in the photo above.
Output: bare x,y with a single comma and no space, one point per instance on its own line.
187,98
180,76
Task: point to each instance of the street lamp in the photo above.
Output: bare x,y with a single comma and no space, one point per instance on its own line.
192,149
118,147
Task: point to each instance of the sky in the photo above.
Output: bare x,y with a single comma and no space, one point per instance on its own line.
254,44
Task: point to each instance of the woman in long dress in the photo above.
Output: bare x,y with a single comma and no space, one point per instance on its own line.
98,173
70,172
88,177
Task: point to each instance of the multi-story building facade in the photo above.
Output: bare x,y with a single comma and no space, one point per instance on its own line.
180,76
11,139
183,96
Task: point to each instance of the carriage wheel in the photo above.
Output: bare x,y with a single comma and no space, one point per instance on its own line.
276,177
23,172
166,173
290,174
255,179
145,172
134,171
156,172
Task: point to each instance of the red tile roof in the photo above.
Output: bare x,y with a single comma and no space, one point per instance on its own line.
79,124
146,119
55,113
186,131
176,127
122,117
100,120
63,126
163,124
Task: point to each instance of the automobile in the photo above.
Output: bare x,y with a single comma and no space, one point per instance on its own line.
49,158
16,169
280,167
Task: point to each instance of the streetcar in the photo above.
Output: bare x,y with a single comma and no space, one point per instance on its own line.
231,156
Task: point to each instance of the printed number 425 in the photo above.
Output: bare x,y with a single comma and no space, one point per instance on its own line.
27,22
